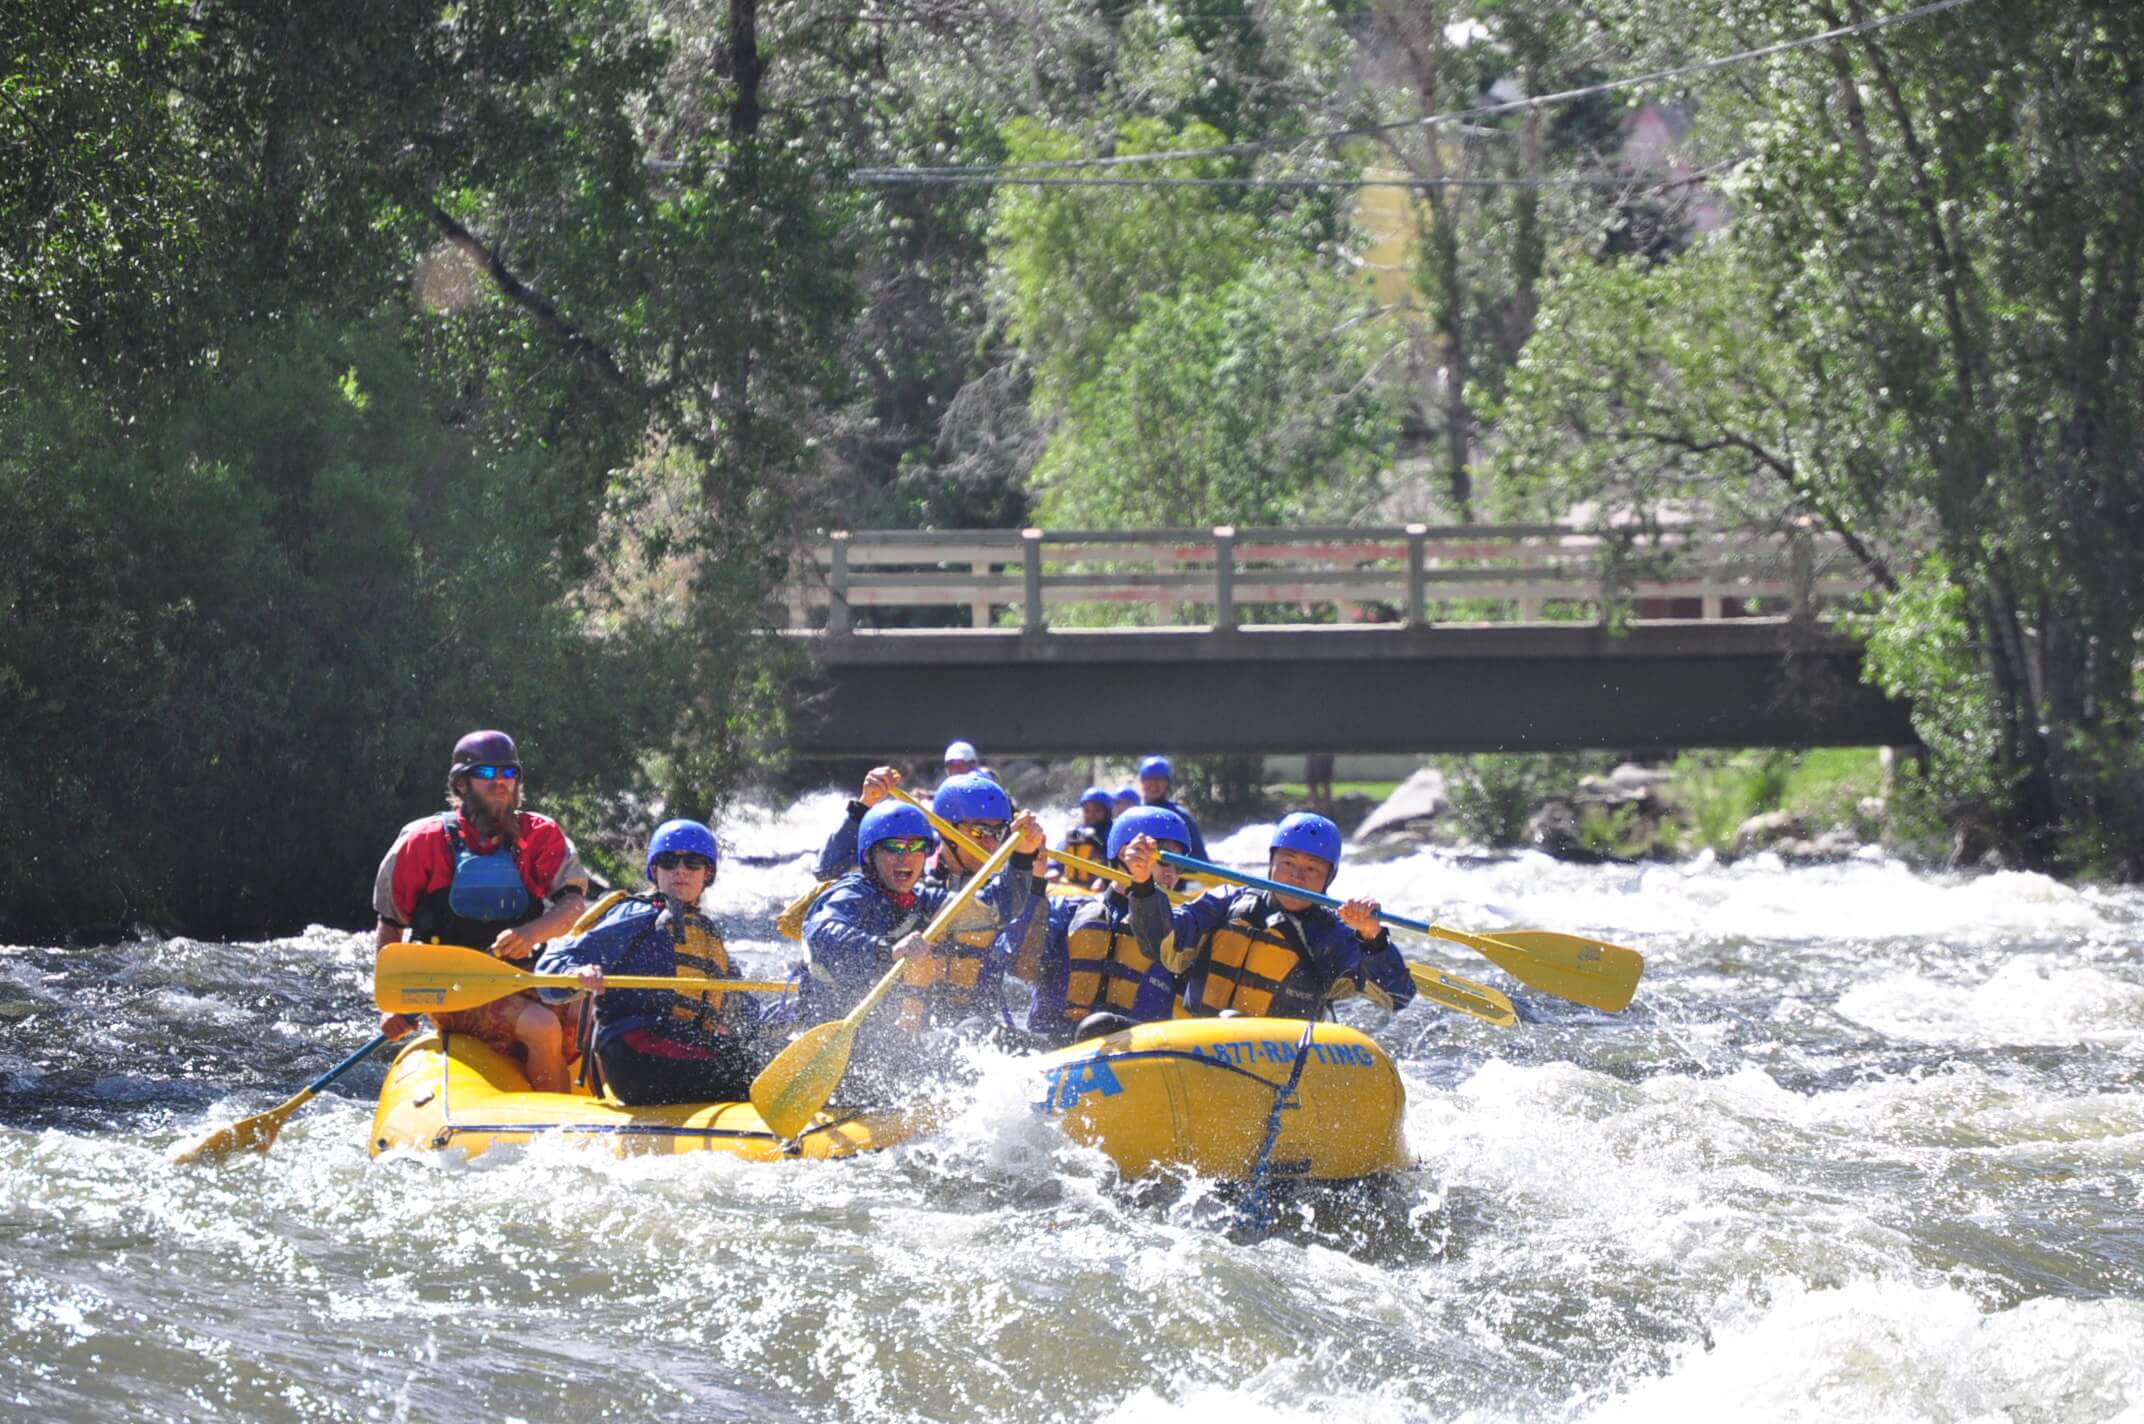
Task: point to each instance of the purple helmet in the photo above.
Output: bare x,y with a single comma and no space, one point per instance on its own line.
483,749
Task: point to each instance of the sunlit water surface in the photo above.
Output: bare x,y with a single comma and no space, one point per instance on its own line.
1867,1147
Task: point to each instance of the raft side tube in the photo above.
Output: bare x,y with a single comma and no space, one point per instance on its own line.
1198,1093
457,1092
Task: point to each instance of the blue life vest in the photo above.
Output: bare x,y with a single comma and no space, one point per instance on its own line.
485,887
486,895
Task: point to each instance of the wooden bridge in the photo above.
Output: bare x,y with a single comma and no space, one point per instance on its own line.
1414,638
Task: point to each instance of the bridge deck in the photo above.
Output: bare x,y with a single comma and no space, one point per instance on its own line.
1364,688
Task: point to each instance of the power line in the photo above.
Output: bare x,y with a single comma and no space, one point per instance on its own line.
1513,106
895,177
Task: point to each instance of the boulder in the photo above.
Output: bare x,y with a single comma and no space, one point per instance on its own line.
1553,830
1627,785
1832,845
1766,831
1421,797
1639,778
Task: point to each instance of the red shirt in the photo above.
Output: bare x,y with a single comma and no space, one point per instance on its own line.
422,861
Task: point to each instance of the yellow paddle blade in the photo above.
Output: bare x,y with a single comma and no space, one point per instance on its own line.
414,978
250,1134
1463,995
789,1092
411,978
1585,971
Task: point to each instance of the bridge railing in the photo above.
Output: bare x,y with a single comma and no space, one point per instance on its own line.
1225,577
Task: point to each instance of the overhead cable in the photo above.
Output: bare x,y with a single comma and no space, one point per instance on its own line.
1250,146
894,177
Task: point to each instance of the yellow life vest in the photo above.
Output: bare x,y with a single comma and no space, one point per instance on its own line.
790,923
1108,964
943,985
1244,966
946,979
700,955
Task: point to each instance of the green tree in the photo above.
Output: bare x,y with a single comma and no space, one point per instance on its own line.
1076,269
407,278
238,635
1252,403
1937,246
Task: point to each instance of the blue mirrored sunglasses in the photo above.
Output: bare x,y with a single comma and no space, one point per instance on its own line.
493,773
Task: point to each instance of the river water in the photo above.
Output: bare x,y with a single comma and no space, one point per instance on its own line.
1868,1146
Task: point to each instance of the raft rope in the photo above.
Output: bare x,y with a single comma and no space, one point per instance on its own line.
1260,1205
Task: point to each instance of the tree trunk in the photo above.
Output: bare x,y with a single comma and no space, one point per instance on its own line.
745,67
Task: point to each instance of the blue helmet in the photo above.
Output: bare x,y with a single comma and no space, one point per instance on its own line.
1309,833
972,797
682,835
890,820
1156,821
1096,796
1127,796
1157,766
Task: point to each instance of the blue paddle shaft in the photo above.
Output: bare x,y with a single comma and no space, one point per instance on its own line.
1259,882
345,1066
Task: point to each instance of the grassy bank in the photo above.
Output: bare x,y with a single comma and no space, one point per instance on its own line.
1698,801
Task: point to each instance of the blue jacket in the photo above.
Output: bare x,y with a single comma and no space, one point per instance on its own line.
854,924
838,856
1142,914
1331,960
1045,1011
644,936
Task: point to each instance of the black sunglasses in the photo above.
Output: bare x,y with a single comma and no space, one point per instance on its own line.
690,859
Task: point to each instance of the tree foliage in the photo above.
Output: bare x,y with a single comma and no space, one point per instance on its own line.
1252,403
345,348
1922,324
238,637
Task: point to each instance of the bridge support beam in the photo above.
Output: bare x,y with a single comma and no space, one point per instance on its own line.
1382,688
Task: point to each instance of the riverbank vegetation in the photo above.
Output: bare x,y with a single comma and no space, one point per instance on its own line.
371,373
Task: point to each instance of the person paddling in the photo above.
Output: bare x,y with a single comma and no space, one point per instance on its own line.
653,1045
1090,838
1274,955
491,876
979,808
872,917
1114,956
1156,779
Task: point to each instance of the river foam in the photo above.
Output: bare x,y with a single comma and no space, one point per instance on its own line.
1866,1148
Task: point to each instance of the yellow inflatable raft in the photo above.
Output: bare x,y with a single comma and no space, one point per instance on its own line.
453,1091
1199,1093
1192,1093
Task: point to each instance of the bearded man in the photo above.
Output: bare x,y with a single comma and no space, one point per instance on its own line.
487,874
